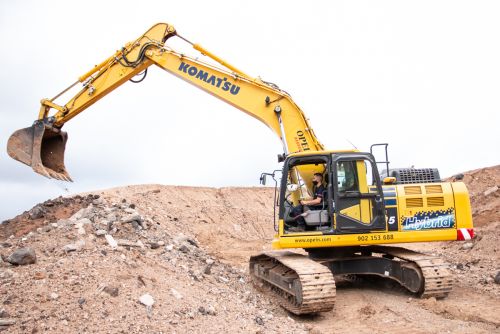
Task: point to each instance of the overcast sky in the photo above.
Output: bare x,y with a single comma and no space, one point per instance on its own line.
423,76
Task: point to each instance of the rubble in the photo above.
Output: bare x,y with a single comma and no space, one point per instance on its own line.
147,300
111,241
22,256
190,264
111,290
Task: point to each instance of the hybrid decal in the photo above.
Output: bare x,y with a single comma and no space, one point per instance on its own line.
214,80
428,220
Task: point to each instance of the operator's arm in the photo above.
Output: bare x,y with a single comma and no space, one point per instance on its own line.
316,201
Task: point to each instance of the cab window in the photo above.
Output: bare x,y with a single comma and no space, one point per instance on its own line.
346,176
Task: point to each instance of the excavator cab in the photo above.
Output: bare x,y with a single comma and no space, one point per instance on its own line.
41,147
353,196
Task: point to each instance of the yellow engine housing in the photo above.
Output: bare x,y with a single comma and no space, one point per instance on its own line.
424,212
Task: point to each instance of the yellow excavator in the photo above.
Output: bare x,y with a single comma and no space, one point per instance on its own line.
360,212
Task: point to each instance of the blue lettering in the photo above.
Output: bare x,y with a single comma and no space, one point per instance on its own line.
192,71
235,89
221,83
183,67
202,75
211,80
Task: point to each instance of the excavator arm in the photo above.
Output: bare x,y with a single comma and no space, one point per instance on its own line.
42,145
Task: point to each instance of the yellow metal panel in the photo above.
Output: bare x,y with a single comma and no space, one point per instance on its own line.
364,203
344,240
352,212
463,211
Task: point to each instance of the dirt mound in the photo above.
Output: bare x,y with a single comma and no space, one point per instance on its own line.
113,267
484,189
152,258
43,213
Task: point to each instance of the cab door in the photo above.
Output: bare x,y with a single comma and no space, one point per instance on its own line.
357,194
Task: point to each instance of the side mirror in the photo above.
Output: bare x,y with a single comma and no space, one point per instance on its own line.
263,179
292,187
389,180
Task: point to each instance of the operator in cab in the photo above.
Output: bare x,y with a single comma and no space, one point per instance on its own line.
316,203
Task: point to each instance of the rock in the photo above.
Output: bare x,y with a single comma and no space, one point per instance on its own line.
111,218
467,245
111,290
208,269
259,321
22,256
161,243
222,279
489,280
6,274
180,238
100,232
154,245
81,231
130,210
176,293
54,296
131,218
83,222
46,228
207,310
128,243
39,275
458,177
497,278
82,213
4,313
111,241
81,301
7,322
192,242
147,299
70,248
169,248
490,191
37,212
184,248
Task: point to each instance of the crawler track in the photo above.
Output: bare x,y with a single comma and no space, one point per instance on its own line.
302,285
437,277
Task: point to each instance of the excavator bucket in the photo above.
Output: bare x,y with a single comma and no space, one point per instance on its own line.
41,147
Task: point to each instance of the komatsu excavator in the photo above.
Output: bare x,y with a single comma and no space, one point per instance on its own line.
360,213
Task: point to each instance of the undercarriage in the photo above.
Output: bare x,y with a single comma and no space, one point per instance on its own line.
306,284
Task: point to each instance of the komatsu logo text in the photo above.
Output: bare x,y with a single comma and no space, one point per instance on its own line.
214,80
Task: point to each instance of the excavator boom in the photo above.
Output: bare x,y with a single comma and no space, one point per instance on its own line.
42,145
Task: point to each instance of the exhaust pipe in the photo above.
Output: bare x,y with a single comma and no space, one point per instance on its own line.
42,148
